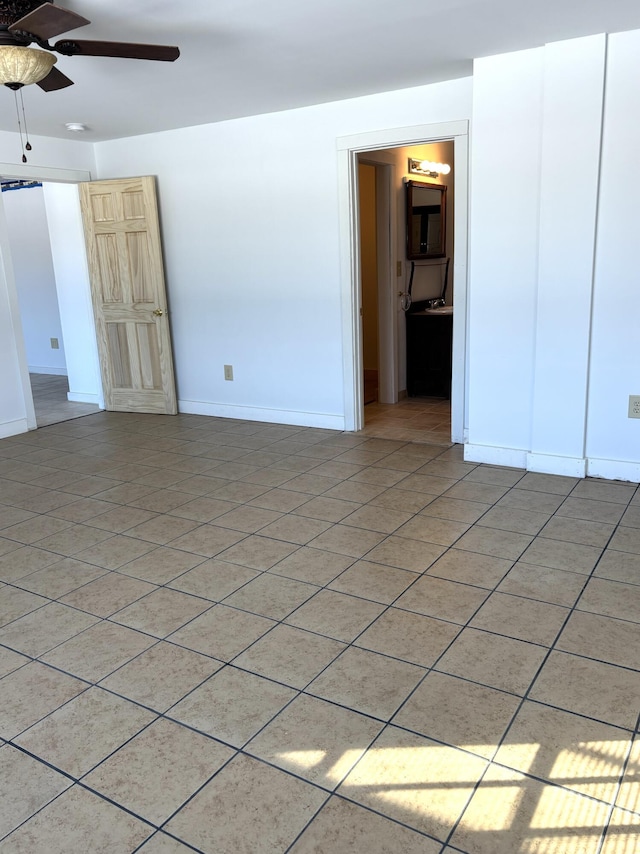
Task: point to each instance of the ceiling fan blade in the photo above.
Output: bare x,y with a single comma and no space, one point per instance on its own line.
122,50
48,21
55,80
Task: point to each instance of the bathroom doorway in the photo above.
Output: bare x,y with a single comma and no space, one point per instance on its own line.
422,414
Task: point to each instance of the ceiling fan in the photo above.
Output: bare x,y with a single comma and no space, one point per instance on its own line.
24,22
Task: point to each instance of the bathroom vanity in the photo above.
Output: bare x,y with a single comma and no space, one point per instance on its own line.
429,325
429,347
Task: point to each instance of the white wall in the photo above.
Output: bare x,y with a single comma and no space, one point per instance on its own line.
542,342
16,411
35,279
257,284
503,235
47,153
74,292
613,440
570,162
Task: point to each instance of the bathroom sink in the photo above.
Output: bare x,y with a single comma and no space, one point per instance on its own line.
441,309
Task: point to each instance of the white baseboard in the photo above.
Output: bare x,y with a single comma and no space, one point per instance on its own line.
54,372
520,459
614,469
13,428
512,457
459,438
81,397
551,464
269,416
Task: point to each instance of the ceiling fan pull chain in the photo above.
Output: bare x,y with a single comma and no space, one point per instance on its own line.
24,156
24,117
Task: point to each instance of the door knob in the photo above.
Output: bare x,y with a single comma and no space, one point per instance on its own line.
158,312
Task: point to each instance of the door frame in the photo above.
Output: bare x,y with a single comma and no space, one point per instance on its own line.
349,147
34,173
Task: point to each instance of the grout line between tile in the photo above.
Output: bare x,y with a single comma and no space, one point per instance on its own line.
388,606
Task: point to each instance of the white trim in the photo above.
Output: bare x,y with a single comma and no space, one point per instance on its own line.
348,148
613,469
460,367
54,372
44,173
7,277
348,222
491,455
79,397
396,137
552,464
13,428
269,416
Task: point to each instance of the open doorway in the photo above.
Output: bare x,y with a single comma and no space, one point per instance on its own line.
39,307
419,349
51,402
66,248
122,355
445,413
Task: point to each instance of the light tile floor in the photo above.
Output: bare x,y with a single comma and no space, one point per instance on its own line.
413,419
221,636
51,403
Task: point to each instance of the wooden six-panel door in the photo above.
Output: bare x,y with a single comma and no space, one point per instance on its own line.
124,253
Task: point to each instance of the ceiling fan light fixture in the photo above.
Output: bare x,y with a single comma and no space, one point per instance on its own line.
22,66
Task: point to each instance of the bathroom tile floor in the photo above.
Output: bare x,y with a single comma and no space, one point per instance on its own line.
414,419
222,636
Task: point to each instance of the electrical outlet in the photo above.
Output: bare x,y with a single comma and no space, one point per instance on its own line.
228,372
634,406
55,344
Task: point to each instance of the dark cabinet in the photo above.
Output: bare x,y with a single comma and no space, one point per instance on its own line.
429,343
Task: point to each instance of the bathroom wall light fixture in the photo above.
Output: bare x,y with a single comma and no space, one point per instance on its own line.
428,168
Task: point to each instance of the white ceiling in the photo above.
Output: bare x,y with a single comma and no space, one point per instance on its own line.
244,57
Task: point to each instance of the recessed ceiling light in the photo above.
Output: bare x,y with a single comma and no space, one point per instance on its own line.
76,127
